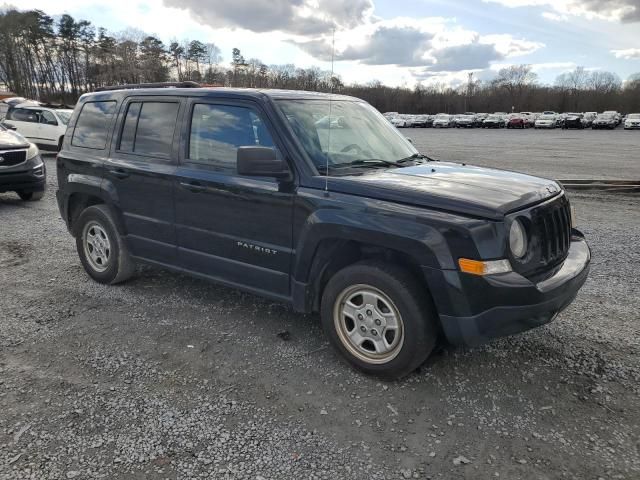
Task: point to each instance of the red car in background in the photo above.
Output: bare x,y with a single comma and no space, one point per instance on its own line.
519,122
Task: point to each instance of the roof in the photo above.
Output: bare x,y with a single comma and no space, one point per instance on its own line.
224,92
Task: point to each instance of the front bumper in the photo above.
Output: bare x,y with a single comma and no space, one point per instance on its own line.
476,309
24,181
632,126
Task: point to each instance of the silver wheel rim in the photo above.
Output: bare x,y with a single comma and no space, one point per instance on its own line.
97,247
368,324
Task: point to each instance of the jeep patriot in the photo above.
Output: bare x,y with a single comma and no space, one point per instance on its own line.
316,200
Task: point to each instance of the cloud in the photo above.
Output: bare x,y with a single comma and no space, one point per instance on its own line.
298,17
391,46
472,56
427,45
626,11
627,54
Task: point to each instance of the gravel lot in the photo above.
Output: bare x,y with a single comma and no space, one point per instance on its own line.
560,154
167,377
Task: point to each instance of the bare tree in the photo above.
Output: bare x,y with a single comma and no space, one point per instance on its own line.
516,80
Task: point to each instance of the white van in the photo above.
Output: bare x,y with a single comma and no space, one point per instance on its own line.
40,125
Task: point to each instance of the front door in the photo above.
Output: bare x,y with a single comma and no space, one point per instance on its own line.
48,129
140,169
231,228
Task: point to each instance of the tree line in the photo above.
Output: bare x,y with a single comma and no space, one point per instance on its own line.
59,59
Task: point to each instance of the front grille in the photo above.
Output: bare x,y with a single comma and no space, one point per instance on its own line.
549,228
554,227
12,158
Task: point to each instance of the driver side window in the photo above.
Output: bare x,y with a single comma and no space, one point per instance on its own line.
218,130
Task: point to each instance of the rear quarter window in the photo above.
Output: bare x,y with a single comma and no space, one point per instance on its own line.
92,126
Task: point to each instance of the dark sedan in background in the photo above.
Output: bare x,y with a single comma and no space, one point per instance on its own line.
573,120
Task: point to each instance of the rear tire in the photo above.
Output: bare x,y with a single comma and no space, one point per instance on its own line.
379,318
101,249
31,196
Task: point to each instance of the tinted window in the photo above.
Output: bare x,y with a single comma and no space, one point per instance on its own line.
217,131
148,128
23,115
129,128
92,124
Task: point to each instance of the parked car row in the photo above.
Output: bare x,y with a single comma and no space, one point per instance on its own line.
547,120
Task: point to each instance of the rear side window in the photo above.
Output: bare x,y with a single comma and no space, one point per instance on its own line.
218,130
23,115
92,125
148,128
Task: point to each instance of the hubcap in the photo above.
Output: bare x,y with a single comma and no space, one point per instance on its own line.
97,247
368,324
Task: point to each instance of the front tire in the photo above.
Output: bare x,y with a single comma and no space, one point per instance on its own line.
31,196
103,253
379,318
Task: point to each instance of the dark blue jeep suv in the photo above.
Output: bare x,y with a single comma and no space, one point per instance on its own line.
317,201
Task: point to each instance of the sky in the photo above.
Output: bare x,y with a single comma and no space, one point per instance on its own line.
397,42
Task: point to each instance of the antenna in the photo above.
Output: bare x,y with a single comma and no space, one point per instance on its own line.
333,53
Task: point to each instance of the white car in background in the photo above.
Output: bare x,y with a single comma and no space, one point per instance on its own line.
398,122
43,126
547,120
632,122
443,120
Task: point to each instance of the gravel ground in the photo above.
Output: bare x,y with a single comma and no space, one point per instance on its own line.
168,377
561,154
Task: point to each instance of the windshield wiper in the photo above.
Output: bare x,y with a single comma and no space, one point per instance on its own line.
416,156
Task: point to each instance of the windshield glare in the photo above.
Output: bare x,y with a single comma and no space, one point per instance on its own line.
354,133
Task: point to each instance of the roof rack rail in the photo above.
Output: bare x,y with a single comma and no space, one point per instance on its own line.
187,84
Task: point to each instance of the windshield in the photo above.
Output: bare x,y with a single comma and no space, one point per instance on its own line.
358,133
64,116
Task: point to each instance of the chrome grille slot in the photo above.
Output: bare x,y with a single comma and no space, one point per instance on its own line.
554,227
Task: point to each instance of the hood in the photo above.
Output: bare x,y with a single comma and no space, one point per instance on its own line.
474,191
10,140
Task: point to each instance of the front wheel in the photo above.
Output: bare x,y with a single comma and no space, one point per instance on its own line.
379,318
102,251
31,196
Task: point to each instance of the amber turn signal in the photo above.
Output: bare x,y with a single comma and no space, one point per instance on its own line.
479,267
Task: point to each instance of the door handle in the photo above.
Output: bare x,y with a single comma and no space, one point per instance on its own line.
119,173
194,187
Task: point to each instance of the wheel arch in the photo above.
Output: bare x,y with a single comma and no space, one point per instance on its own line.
83,192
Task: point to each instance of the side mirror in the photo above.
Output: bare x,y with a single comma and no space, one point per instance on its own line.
261,162
9,126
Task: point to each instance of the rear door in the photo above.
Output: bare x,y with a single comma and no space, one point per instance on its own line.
231,228
140,169
26,122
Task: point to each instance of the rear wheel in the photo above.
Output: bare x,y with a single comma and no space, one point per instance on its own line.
102,251
379,318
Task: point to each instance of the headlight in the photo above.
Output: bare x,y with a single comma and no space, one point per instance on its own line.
518,239
32,151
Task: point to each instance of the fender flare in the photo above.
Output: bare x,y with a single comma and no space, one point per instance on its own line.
421,242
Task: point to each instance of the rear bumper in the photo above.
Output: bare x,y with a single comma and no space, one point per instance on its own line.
474,310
